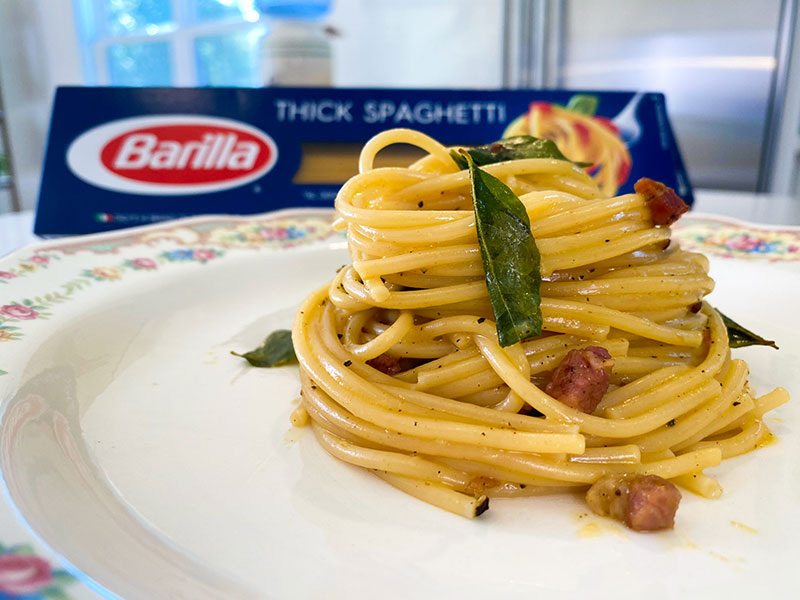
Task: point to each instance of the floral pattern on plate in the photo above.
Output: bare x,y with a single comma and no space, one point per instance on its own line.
729,239
32,264
25,576
199,241
285,229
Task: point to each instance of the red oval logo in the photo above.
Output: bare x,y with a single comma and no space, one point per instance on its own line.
186,154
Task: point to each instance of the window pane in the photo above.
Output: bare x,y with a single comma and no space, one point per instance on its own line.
230,59
137,16
215,10
140,65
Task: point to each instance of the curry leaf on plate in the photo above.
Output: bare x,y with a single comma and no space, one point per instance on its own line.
739,336
276,351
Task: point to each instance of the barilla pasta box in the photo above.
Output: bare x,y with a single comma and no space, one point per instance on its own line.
118,157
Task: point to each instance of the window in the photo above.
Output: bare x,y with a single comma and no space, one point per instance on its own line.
170,42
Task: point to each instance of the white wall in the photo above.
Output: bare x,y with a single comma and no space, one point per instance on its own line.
418,43
38,51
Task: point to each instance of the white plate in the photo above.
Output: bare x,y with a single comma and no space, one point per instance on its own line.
150,463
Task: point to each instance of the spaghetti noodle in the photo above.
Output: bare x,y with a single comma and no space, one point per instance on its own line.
459,418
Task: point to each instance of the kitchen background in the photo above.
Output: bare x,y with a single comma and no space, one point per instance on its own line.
730,68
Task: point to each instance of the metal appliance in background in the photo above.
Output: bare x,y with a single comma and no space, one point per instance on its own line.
726,74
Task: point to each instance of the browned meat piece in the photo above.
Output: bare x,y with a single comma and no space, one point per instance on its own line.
643,502
652,503
664,204
386,363
608,496
581,379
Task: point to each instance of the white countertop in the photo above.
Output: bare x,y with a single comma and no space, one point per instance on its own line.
768,209
16,229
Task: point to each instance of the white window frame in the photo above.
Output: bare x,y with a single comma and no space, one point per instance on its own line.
180,37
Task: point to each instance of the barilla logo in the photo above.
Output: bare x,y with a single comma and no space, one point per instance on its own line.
171,155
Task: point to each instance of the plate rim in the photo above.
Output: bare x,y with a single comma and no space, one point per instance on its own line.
124,232
76,241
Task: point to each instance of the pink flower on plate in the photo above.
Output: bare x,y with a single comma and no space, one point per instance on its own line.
18,311
23,574
203,255
744,242
39,259
106,273
274,233
6,275
144,263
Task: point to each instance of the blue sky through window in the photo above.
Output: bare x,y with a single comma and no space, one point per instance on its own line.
136,16
170,42
229,59
140,64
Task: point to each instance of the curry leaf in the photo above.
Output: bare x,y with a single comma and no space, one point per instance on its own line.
510,257
739,337
276,351
513,148
583,104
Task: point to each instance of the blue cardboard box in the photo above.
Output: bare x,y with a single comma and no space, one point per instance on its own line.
118,157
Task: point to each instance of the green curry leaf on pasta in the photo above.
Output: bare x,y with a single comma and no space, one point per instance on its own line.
513,148
276,351
739,337
511,260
